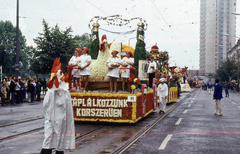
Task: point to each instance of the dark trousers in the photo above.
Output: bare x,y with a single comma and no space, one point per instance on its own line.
32,96
38,95
44,90
227,94
21,96
151,76
13,97
18,96
3,101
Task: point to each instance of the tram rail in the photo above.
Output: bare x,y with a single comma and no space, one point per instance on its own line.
140,134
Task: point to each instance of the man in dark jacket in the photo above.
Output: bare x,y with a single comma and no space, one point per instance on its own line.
217,95
12,90
38,88
226,87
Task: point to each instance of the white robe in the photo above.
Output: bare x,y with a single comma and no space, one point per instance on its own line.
162,92
84,61
126,72
114,72
75,72
59,122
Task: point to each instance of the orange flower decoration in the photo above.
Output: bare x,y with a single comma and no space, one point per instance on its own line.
132,76
138,81
130,80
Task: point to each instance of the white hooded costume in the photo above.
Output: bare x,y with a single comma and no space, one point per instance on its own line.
59,122
162,93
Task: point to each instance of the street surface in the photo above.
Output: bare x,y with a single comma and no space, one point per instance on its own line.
192,128
189,128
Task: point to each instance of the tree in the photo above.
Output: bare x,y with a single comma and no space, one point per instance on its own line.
82,41
228,70
140,52
8,49
52,43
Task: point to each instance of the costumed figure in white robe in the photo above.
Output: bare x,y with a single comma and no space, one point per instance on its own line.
113,64
126,62
59,127
163,94
98,68
85,61
74,61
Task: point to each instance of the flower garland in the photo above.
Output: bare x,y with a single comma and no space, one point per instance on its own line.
116,20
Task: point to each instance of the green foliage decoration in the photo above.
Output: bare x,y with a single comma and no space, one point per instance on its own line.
140,52
94,45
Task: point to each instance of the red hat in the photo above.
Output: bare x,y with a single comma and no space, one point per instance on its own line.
56,65
79,50
130,52
104,37
85,48
114,51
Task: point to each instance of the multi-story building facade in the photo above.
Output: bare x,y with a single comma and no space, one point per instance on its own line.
217,31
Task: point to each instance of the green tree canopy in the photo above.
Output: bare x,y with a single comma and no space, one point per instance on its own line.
52,43
82,41
8,49
228,70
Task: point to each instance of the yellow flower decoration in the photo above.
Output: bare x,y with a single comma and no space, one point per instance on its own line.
133,87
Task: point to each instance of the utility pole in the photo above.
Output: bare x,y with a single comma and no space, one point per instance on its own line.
17,43
238,43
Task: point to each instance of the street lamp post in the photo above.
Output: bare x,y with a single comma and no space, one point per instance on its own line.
238,62
17,43
1,72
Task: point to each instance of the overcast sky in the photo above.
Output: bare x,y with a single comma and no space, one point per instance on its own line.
172,24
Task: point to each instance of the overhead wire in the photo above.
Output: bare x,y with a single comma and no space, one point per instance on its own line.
97,7
170,29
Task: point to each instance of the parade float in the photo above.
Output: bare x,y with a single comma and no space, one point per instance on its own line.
182,75
98,104
164,71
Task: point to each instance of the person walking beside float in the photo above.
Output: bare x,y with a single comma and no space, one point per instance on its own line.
163,94
84,62
113,71
75,71
126,62
59,130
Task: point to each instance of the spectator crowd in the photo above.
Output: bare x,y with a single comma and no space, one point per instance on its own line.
16,90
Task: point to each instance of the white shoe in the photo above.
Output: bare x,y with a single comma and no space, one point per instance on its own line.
215,113
220,114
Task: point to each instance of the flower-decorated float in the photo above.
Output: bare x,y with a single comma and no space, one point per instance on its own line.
98,104
164,71
182,75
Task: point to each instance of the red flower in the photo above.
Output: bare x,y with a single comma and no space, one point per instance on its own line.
132,76
130,80
138,81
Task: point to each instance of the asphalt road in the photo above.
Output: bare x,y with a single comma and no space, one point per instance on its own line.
193,129
198,130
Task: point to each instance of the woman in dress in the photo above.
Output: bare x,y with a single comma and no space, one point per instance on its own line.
74,63
113,71
85,61
151,71
126,62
